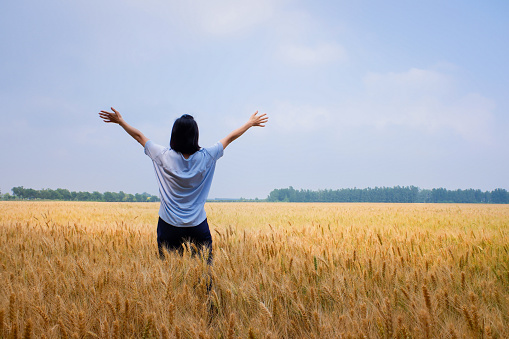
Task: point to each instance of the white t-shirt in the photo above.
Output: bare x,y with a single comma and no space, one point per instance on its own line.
184,184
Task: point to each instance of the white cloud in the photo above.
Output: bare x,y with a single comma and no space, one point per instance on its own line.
228,16
424,100
218,17
305,41
414,82
293,118
311,55
294,32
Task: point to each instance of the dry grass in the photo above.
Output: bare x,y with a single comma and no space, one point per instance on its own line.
90,270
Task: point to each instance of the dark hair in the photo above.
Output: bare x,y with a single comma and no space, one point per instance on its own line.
184,135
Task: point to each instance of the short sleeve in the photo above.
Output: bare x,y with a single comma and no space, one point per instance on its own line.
215,151
153,150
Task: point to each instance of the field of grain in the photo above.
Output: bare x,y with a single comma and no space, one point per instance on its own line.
91,270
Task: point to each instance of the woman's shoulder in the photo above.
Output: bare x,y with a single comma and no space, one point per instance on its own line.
215,151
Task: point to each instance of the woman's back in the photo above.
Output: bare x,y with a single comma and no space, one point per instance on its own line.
183,183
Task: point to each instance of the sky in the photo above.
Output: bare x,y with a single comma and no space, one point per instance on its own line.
358,93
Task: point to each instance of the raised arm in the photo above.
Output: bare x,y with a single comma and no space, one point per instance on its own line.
116,118
254,120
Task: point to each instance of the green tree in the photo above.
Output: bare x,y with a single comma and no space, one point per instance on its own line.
499,196
64,193
96,196
109,196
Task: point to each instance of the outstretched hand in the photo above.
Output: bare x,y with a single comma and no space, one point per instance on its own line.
258,120
114,116
254,120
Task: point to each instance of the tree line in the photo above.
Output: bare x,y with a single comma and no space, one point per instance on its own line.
21,193
396,194
405,194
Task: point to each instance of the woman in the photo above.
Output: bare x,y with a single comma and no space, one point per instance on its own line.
184,174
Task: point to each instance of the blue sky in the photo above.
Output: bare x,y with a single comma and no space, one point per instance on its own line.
359,93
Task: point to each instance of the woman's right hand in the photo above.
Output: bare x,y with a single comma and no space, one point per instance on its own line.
258,120
254,120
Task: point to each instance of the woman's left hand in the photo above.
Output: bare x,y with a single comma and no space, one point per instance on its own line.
113,117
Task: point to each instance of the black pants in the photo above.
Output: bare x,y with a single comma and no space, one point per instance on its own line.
172,238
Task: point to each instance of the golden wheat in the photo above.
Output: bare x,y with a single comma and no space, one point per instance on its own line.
91,270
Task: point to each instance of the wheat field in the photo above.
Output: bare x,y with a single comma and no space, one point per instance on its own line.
91,270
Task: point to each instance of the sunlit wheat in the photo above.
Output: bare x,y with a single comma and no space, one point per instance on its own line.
91,270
